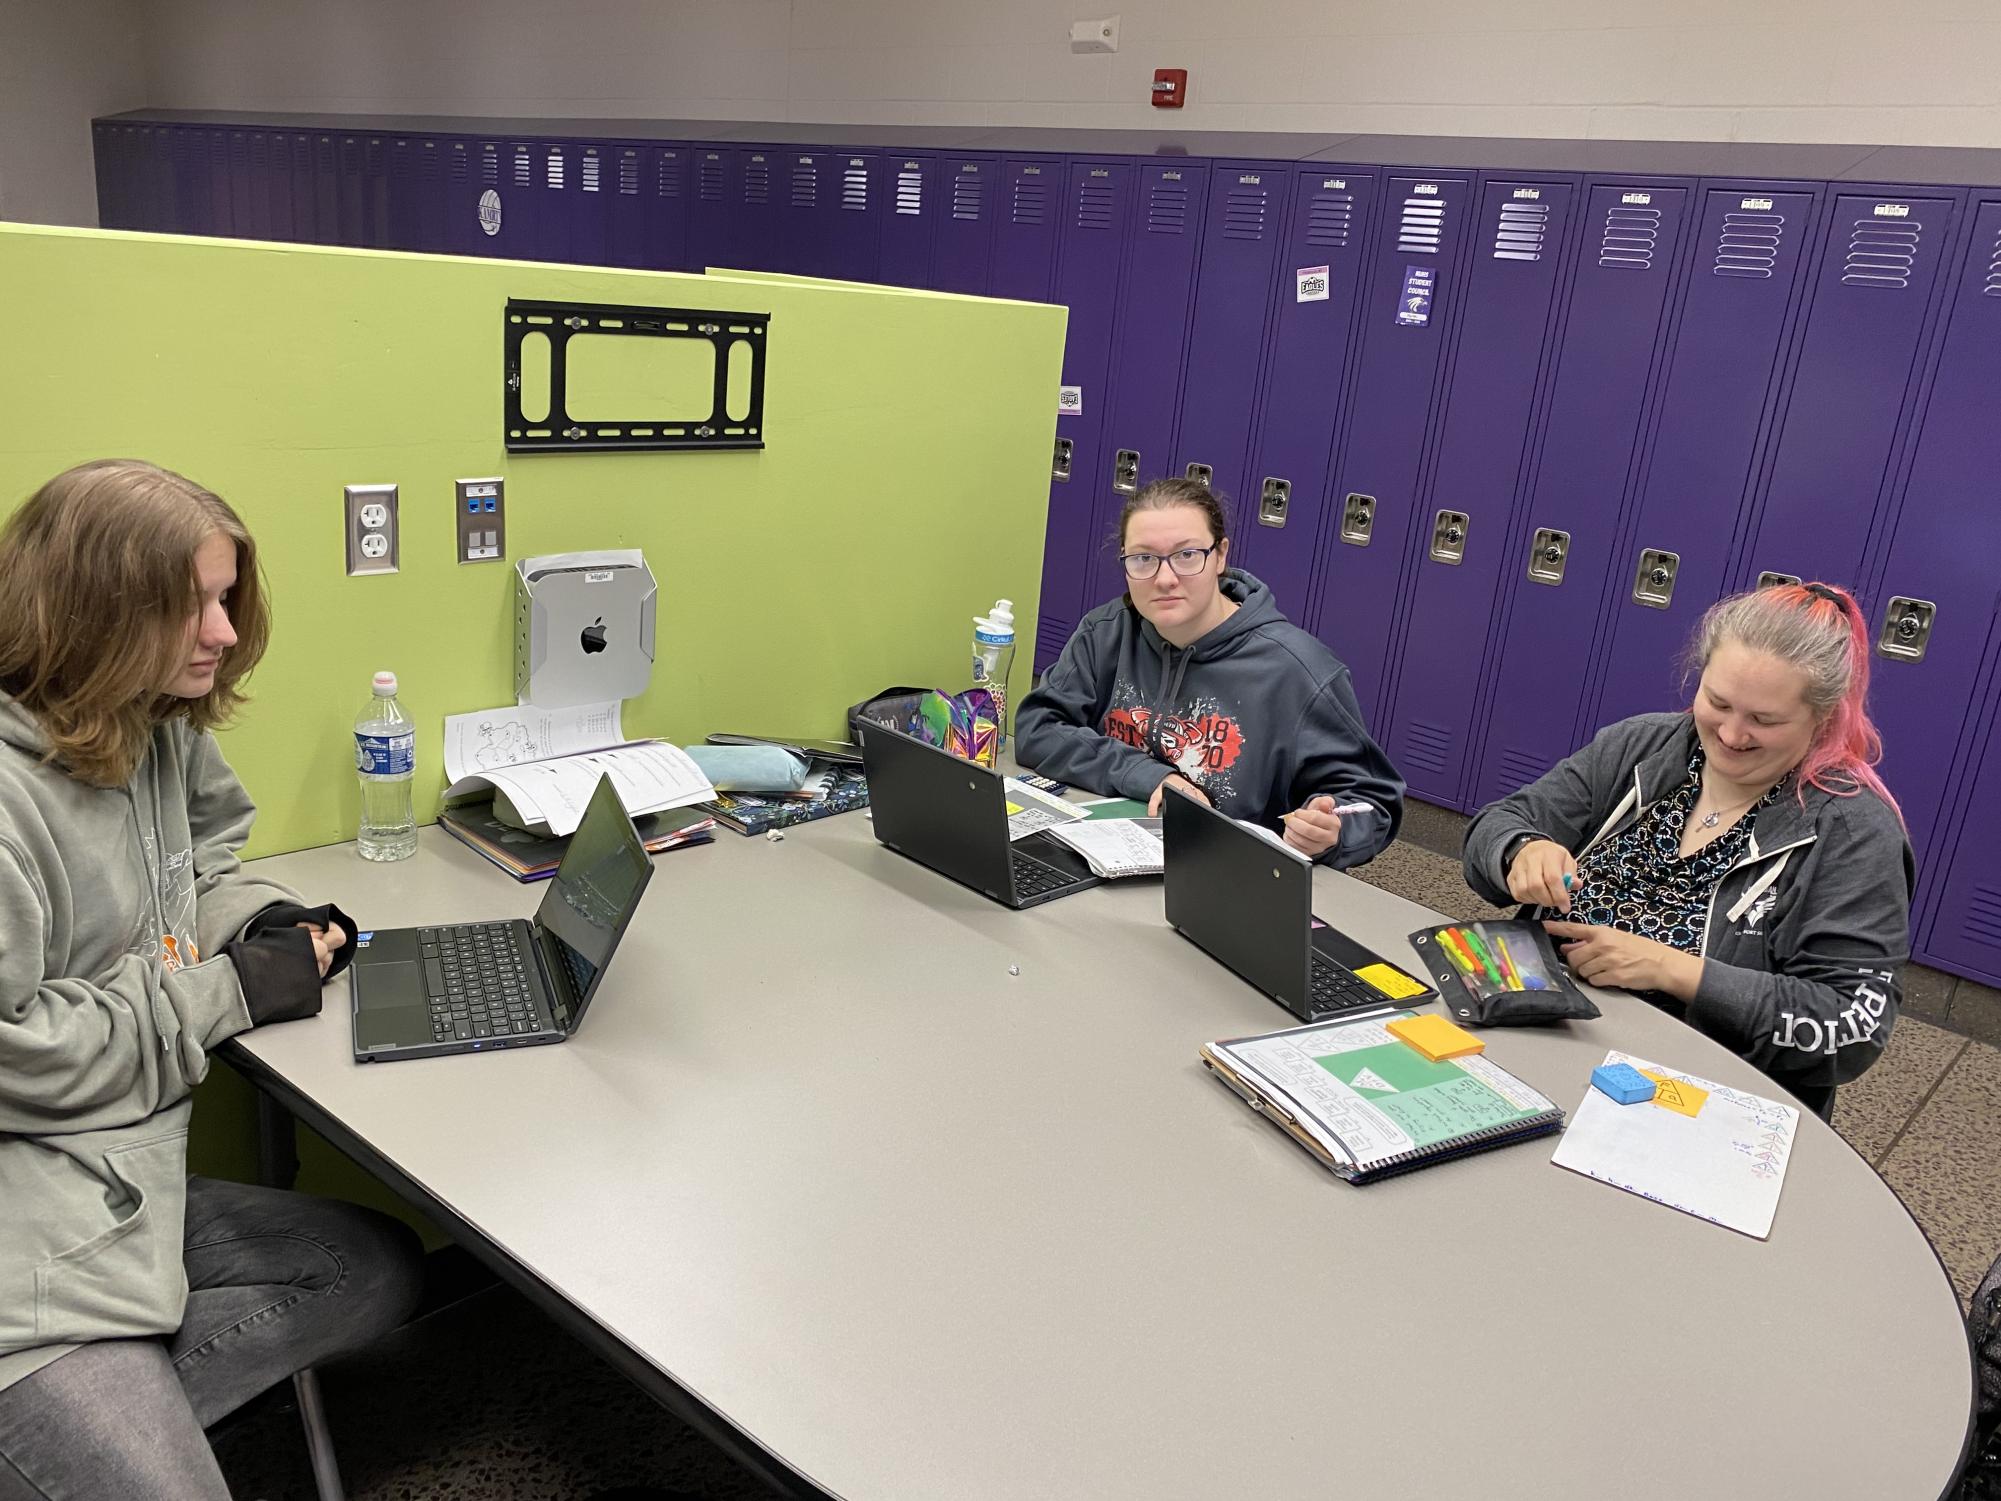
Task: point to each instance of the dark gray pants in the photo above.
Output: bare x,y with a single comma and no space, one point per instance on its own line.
277,1281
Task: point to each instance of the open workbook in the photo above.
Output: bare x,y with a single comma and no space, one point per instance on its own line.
543,765
1368,1105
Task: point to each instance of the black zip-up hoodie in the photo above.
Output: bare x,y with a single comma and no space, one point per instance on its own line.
1807,932
1257,713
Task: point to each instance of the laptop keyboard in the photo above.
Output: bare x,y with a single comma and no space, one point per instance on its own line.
1335,990
1032,878
477,983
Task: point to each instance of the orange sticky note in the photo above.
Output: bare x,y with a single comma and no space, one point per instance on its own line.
1435,1037
1678,1095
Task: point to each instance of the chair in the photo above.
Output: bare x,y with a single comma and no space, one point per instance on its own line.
1982,1480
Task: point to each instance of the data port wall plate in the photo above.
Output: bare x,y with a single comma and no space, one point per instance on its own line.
561,431
373,531
479,509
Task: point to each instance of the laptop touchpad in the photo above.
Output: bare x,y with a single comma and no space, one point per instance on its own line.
392,1027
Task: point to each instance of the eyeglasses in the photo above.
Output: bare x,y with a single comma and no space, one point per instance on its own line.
1188,562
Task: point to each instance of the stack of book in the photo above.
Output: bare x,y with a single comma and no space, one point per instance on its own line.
829,789
534,857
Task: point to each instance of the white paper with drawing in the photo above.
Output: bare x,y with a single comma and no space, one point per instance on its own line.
1725,1164
649,774
490,740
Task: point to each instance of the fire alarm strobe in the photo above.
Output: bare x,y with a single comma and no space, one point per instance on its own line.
1170,88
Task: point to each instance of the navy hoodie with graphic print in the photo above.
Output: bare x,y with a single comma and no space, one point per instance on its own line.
1257,713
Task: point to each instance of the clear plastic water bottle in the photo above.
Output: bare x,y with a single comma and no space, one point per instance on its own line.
385,753
993,658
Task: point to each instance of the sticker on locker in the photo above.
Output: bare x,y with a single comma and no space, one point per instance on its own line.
1313,282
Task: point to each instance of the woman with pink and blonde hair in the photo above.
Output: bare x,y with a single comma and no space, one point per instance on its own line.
1739,863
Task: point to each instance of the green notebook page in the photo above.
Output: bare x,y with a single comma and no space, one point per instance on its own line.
1115,807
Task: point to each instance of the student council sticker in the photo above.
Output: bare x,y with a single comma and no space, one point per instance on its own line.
1414,307
1313,283
1069,401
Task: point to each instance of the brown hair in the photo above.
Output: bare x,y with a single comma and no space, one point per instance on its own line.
1165,494
97,586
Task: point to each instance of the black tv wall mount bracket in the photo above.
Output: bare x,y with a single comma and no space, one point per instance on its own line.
561,431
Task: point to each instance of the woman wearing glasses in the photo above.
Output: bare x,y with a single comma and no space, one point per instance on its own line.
1195,678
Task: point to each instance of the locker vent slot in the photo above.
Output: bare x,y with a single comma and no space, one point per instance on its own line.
756,181
966,197
350,156
1519,767
1881,254
1422,227
854,189
1028,204
910,191
372,155
218,150
628,173
1629,238
1992,286
260,155
1426,746
667,177
1094,206
554,167
590,174
1983,916
1748,244
1329,218
1519,236
1244,213
709,181
428,168
524,168
327,159
1167,209
489,168
806,184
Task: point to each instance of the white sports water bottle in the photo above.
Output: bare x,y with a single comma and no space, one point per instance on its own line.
993,658
385,746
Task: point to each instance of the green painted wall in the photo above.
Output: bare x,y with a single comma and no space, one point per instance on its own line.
902,490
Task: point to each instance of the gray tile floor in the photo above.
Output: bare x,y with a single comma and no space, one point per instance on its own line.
488,1401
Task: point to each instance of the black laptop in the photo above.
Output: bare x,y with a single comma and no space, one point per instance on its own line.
952,816
1250,906
475,987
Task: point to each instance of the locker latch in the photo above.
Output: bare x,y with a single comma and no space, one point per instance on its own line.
1273,500
1549,550
1201,473
1125,471
1358,519
1448,537
1065,448
1653,580
1770,580
1907,627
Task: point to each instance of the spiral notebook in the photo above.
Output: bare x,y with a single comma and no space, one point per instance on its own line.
1369,1106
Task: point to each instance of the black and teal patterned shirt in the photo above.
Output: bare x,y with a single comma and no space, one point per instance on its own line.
1638,882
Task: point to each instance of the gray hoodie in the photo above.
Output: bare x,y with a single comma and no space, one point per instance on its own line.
1257,713
116,905
1807,932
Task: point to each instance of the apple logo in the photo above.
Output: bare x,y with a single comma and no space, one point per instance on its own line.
593,639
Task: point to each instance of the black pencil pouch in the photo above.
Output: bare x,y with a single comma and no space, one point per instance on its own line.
1500,974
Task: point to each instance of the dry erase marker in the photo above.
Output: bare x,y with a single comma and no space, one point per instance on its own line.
1339,808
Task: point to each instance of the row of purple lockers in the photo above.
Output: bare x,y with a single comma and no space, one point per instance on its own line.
1496,437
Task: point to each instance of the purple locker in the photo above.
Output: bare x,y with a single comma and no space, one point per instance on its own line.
757,227
962,257
326,189
276,162
1964,932
554,201
629,209
352,225
1412,278
1150,349
218,212
829,222
800,215
1557,566
1498,356
667,232
405,194
1853,385
375,191
1940,571
188,211
712,211
909,227
107,148
1319,275
431,198
249,207
1097,211
150,188
1744,284
1243,218
1025,228
465,233
299,186
853,227
523,232
589,204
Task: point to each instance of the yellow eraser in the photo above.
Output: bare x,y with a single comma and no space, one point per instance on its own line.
1390,980
1678,1095
1435,1037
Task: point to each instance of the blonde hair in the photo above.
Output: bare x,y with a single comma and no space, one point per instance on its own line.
97,586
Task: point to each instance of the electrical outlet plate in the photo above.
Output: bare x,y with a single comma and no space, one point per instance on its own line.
373,533
480,509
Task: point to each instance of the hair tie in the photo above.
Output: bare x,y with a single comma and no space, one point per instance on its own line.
1822,591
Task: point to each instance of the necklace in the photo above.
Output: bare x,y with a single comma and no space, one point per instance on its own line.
1716,815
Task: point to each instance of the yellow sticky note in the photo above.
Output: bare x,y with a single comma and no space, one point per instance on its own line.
1435,1037
1393,983
1677,1095
1012,809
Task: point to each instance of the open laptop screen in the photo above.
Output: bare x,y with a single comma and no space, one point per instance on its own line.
593,896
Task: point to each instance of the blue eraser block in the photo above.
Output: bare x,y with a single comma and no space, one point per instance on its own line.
1623,1083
